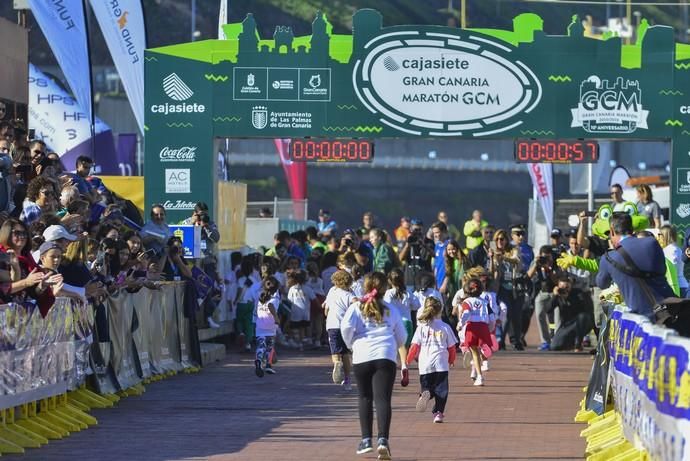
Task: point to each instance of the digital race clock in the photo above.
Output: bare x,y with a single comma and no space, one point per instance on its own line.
331,150
556,151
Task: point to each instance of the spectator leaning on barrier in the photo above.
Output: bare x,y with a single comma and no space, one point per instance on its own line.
643,285
14,241
172,265
155,233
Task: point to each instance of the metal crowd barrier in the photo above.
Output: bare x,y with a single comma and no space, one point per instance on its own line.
646,374
53,370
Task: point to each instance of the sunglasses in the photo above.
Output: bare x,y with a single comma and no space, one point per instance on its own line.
519,234
20,233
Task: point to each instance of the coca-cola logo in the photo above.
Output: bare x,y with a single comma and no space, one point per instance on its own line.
181,154
178,205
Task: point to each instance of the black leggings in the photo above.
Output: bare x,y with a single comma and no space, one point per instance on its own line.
375,381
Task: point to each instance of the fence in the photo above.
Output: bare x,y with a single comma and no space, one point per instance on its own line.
280,208
648,371
128,340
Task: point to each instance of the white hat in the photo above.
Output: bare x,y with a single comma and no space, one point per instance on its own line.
57,232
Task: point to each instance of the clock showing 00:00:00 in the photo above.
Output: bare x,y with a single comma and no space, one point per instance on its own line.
331,150
556,151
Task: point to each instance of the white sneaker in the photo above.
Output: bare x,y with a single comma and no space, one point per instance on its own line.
473,374
211,323
485,365
479,381
338,374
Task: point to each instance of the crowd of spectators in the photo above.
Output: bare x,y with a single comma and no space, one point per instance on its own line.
65,233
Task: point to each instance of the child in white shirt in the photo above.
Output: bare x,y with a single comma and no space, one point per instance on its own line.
300,296
478,322
434,343
266,326
337,302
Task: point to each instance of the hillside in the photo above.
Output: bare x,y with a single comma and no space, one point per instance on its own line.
168,21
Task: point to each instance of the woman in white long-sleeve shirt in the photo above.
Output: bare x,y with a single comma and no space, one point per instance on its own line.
374,331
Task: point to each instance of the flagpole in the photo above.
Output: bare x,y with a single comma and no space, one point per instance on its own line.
92,121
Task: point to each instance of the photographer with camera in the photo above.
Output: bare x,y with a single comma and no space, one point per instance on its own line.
545,274
172,265
416,254
575,310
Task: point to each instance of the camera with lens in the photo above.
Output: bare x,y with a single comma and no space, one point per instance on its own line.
562,291
349,242
174,249
543,260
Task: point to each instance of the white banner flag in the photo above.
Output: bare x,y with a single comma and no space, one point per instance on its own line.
122,24
542,179
222,18
64,27
55,116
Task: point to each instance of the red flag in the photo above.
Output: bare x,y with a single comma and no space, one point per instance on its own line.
296,176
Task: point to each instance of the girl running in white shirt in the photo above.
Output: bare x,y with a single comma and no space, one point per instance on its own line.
315,283
300,297
426,289
478,322
374,331
266,325
398,296
434,344
337,302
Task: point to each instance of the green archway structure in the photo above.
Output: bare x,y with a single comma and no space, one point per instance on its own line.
409,81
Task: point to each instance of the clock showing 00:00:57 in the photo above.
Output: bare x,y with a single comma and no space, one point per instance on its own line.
556,151
331,150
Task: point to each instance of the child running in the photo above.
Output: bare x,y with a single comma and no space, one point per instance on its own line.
300,297
426,289
398,296
266,322
477,321
434,343
337,302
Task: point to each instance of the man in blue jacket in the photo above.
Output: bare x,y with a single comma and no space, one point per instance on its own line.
645,284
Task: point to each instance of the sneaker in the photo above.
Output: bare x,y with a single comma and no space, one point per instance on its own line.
338,374
438,417
365,446
485,365
269,369
544,347
404,377
383,449
518,347
466,359
346,384
247,348
424,398
479,381
257,369
473,374
212,323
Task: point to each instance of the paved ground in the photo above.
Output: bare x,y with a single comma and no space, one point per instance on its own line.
525,412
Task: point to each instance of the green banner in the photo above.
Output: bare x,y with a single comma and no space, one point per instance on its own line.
409,81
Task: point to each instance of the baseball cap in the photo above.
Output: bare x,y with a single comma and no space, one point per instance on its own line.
416,222
556,232
47,246
57,232
517,228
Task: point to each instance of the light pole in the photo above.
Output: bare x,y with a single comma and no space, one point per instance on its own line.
193,19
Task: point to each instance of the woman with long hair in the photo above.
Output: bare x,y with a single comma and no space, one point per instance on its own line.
374,331
14,240
668,240
456,263
646,206
504,265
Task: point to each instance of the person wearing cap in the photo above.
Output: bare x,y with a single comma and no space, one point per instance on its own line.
326,226
473,230
58,234
518,234
557,241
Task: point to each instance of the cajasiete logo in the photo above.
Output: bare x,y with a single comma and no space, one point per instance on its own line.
177,90
431,84
180,154
609,107
178,205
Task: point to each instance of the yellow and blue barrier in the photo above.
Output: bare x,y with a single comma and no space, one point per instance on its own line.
54,370
649,377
